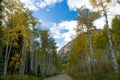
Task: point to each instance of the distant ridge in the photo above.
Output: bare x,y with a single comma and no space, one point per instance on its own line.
66,49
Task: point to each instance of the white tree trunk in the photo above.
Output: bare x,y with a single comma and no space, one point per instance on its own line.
7,55
88,60
22,67
114,59
36,61
5,62
44,63
31,58
91,49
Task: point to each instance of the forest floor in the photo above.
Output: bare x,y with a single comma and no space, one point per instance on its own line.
60,77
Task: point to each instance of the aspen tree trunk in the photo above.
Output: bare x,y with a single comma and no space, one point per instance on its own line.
91,49
90,41
54,66
48,65
44,69
22,67
5,60
105,58
51,65
114,59
36,61
51,62
7,54
31,58
44,63
26,62
32,53
89,61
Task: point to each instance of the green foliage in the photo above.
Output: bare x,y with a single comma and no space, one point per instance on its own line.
23,51
21,77
31,45
63,60
102,66
98,76
103,60
1,12
115,31
1,36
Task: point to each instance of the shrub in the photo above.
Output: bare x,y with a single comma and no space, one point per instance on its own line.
21,77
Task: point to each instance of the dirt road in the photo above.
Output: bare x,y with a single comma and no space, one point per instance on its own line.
60,77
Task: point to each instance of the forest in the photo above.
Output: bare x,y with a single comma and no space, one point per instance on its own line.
30,53
24,49
95,52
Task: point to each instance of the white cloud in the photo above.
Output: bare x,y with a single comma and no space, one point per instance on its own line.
70,25
45,3
99,23
114,10
34,5
74,5
55,31
30,4
67,25
56,28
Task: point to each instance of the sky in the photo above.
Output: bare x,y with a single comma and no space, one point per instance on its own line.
59,16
